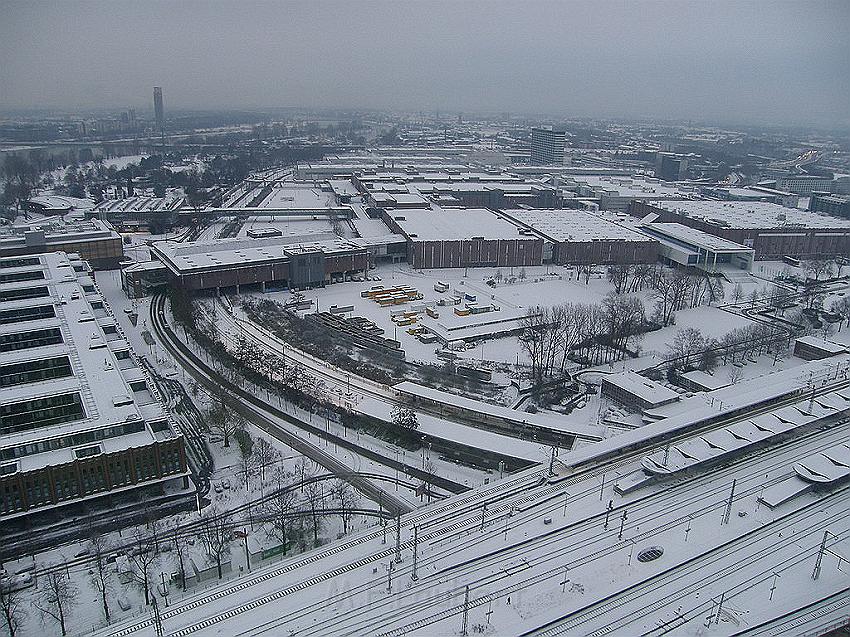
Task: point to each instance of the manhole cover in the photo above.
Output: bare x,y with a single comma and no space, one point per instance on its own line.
651,553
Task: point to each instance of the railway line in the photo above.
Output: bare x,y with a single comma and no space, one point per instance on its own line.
519,503
460,543
446,510
585,543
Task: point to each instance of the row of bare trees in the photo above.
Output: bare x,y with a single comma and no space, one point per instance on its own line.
690,349
590,332
294,511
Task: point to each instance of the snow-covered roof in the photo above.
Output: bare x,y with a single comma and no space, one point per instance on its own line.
517,418
643,388
62,202
822,344
692,237
572,225
425,224
752,214
733,398
631,187
105,393
200,255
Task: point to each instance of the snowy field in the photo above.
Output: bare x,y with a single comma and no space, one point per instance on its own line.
544,286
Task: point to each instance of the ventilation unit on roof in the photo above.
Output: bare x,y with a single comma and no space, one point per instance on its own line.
120,400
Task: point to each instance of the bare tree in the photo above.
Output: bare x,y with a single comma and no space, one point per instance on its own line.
144,559
535,338
14,611
345,496
841,307
618,276
57,596
708,356
266,455
280,506
735,374
181,550
737,292
223,420
314,493
216,534
672,290
817,268
247,467
687,344
99,547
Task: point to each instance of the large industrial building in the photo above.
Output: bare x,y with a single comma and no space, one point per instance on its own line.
804,184
79,419
615,193
575,237
463,237
93,240
277,261
685,246
835,205
771,230
132,214
494,189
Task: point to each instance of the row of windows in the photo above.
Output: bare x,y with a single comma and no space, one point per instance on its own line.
40,412
26,340
22,314
62,442
15,277
86,479
109,248
19,263
170,461
16,294
34,371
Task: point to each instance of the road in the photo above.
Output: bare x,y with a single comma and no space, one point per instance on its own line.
264,416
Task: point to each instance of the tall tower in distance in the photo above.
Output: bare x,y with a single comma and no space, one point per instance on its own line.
159,112
158,109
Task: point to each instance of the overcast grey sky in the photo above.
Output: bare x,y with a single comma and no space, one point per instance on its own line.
765,61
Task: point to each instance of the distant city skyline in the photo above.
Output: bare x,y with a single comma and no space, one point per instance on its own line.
747,62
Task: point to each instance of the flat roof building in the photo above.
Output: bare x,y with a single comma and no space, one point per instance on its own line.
615,193
771,230
278,261
93,240
804,184
79,418
132,213
834,205
576,237
633,390
463,237
812,348
682,245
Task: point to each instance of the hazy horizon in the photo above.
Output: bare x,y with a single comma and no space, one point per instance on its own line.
781,63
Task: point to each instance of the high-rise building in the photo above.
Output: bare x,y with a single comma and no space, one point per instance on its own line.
547,146
671,167
158,109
